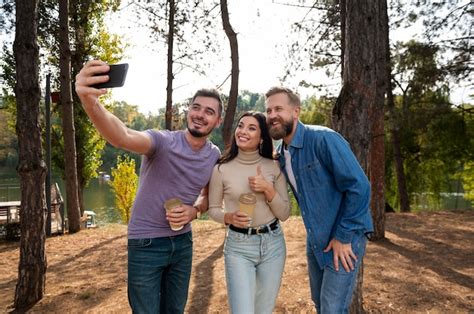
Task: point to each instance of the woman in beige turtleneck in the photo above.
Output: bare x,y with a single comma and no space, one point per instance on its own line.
255,249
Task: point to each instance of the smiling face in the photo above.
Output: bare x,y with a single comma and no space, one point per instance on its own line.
248,134
281,116
203,116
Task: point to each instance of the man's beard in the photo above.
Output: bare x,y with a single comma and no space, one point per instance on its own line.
197,133
280,132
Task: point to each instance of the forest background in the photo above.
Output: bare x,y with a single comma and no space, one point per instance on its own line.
394,102
435,126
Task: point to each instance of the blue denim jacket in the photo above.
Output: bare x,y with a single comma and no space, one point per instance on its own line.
333,190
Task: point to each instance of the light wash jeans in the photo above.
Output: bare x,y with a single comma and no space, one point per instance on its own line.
253,267
159,270
331,290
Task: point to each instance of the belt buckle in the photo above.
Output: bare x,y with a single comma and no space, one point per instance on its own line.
260,230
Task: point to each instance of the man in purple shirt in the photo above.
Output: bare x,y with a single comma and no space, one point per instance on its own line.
176,164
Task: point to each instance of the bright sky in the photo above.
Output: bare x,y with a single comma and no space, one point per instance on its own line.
262,28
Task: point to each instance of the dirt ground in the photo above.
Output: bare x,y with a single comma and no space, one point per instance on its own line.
425,264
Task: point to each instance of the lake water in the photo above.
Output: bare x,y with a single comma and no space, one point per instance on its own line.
98,197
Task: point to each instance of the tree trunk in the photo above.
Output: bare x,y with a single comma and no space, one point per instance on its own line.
31,167
169,77
342,8
67,113
234,85
377,117
397,155
79,20
395,134
360,88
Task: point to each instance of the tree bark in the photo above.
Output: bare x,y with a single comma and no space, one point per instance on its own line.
67,115
169,77
234,85
395,135
377,118
79,20
342,7
360,89
31,168
397,154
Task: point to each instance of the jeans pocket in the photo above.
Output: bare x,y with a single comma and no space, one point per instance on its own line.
237,236
278,231
358,247
138,243
190,236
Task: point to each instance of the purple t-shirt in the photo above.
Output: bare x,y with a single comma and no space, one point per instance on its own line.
170,169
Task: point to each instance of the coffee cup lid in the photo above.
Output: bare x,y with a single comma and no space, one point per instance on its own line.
172,202
248,198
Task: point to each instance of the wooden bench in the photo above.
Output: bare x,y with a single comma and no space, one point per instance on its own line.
10,215
9,212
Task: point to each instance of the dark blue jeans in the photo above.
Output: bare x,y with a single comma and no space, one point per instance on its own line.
331,290
159,270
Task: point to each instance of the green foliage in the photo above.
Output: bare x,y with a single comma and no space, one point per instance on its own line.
417,68
134,119
435,136
89,39
124,185
8,140
295,209
468,180
317,111
445,24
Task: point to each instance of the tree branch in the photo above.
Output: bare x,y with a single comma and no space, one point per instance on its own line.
220,85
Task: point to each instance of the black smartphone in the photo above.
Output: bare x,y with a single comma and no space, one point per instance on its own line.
117,75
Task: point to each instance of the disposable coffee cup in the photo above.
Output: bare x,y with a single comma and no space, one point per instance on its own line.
247,203
169,205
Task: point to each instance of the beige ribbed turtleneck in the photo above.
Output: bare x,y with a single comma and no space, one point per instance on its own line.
229,180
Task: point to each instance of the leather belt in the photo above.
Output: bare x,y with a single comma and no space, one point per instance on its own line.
258,230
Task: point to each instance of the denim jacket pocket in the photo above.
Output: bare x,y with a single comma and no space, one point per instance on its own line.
139,242
309,174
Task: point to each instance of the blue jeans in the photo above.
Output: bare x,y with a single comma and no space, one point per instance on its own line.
253,267
159,270
331,290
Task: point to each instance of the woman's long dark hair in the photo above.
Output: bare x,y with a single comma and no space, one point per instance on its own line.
265,149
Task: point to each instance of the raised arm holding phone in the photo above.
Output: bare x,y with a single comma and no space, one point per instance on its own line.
175,164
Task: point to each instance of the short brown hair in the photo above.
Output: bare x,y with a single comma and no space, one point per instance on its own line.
212,93
294,97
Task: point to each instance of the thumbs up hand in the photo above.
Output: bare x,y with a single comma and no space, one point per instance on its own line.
258,183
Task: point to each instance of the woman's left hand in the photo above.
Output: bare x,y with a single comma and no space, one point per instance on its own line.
258,183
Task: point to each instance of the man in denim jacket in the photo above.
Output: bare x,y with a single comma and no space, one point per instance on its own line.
333,194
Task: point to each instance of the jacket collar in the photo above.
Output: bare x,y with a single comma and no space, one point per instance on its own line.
297,140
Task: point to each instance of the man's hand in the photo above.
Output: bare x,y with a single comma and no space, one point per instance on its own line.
85,78
181,215
202,202
238,219
342,252
109,126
